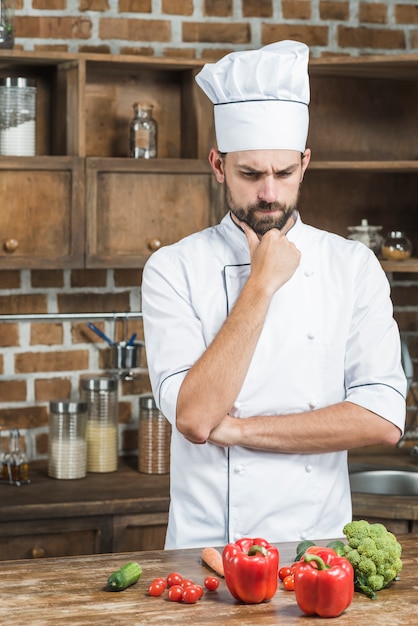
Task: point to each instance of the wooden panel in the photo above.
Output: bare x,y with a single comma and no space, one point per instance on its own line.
396,526
42,212
46,538
139,532
132,203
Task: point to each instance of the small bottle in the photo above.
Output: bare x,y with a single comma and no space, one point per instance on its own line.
396,246
154,434
15,466
6,23
143,133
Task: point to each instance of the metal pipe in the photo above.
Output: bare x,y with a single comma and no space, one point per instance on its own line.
69,317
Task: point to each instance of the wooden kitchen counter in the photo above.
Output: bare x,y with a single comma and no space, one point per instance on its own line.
73,591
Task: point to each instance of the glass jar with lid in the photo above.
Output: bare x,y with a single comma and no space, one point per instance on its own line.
17,116
396,246
143,133
67,446
101,395
154,435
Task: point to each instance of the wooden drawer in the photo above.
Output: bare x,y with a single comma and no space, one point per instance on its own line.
139,532
42,212
49,538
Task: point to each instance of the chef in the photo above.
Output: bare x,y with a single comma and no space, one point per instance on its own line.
271,345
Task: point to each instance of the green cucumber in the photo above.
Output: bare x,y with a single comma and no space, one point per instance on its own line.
125,576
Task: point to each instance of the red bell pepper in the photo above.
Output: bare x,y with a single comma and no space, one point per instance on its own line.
251,570
324,588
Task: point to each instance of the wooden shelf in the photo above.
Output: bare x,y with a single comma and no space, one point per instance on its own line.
410,265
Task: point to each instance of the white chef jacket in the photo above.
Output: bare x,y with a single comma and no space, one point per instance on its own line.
329,336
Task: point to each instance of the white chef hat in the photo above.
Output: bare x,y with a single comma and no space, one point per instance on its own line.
261,97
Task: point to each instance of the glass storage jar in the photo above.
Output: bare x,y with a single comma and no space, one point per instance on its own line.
143,133
154,434
101,395
369,235
396,246
17,116
67,446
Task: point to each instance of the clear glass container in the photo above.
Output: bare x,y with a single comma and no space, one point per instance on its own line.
396,246
15,461
154,435
17,116
6,23
369,235
67,446
101,395
143,133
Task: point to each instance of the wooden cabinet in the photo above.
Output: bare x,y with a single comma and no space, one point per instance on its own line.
116,210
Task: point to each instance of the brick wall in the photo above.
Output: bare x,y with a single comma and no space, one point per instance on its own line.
40,362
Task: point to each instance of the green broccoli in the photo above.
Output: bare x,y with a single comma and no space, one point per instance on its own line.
375,555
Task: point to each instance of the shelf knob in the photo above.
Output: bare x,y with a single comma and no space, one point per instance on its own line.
38,552
11,245
154,244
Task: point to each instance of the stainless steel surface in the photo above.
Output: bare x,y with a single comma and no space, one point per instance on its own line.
385,482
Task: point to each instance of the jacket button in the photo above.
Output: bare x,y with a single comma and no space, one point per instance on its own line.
311,335
308,468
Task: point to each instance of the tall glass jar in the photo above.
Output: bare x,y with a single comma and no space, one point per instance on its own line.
154,434
143,133
67,447
6,23
17,116
101,395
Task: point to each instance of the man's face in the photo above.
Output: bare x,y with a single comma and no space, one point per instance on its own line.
262,186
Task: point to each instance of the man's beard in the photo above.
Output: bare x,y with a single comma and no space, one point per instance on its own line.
261,225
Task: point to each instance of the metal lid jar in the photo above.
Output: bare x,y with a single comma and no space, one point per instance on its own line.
154,434
67,447
17,116
101,395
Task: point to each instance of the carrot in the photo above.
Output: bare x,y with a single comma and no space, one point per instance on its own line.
213,559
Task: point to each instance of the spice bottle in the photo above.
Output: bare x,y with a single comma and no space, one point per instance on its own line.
154,434
396,246
143,133
17,116
67,447
101,395
15,462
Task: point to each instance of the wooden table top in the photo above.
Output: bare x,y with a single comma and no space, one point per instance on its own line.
73,591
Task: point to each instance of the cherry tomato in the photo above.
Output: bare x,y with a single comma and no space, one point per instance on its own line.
211,583
175,593
200,589
160,580
284,571
289,583
156,589
191,594
174,579
187,582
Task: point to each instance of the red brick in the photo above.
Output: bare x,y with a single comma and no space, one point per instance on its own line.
135,30
149,51
334,10
51,47
217,8
9,279
93,5
138,385
95,49
311,35
363,37
257,8
135,6
47,278
49,5
13,390
52,27
214,54
46,334
81,333
1,364
52,389
406,14
124,412
9,334
88,278
129,439
179,53
374,13
296,9
127,278
51,361
24,417
177,7
93,302
216,32
41,444
23,304
413,38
